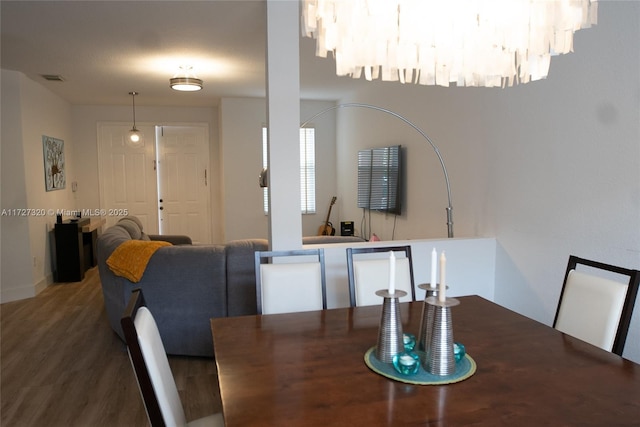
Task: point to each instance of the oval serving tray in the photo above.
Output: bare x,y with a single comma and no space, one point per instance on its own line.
464,369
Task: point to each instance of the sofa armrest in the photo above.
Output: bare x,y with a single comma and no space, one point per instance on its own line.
174,239
241,275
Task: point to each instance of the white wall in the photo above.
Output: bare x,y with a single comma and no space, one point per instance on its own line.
16,279
241,121
551,168
470,266
569,183
29,112
425,200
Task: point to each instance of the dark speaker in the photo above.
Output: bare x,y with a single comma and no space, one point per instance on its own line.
346,228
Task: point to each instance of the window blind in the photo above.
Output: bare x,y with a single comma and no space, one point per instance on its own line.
307,170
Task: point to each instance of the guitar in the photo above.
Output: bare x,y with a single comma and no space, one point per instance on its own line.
327,228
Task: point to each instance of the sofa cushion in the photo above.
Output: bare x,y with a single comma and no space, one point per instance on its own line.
134,219
132,228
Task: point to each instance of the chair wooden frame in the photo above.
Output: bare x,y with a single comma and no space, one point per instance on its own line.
147,340
356,251
262,256
137,359
630,298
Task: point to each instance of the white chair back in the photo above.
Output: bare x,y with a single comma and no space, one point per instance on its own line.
291,287
290,281
372,275
591,307
158,367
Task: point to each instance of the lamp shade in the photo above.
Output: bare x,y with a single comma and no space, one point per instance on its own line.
134,135
185,80
185,84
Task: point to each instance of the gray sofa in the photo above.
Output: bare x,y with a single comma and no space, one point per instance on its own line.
184,285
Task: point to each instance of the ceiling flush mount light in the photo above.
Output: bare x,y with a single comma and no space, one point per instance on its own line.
185,81
492,43
134,134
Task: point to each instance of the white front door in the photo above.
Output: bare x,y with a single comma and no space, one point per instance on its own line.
163,180
127,175
183,181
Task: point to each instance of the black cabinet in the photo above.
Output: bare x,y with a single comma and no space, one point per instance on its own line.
70,250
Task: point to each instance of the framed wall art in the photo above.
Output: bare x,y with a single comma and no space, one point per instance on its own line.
54,166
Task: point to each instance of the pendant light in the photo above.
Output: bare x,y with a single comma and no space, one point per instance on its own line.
134,133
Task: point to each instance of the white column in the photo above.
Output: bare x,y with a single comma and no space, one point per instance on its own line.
283,122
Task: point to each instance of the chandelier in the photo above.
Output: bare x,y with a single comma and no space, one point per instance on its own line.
492,43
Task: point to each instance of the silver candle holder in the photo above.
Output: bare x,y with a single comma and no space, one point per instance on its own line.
438,357
390,339
426,320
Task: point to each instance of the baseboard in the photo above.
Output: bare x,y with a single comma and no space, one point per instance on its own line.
42,284
26,291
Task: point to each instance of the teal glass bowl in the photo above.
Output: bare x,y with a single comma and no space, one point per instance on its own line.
409,341
407,363
458,351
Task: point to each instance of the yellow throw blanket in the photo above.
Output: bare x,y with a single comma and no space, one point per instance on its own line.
130,259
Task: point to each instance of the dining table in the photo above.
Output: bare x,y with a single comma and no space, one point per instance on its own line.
311,369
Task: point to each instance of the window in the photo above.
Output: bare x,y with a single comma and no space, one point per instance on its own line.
307,170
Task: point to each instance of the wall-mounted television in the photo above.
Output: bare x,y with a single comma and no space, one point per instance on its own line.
379,179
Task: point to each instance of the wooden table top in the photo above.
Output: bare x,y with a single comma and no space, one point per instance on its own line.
308,369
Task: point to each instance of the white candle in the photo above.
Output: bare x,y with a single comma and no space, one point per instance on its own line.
392,272
442,286
434,266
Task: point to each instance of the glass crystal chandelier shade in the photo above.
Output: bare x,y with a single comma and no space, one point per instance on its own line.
438,42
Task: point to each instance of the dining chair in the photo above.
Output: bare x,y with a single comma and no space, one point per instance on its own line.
368,273
151,366
290,281
597,309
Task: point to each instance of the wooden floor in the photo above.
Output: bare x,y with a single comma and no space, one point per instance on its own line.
62,365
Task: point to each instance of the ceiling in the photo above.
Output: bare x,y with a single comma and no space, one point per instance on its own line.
105,49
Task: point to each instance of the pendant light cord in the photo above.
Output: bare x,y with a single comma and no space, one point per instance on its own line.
133,96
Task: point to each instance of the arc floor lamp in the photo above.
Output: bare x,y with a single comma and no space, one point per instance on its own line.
449,208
